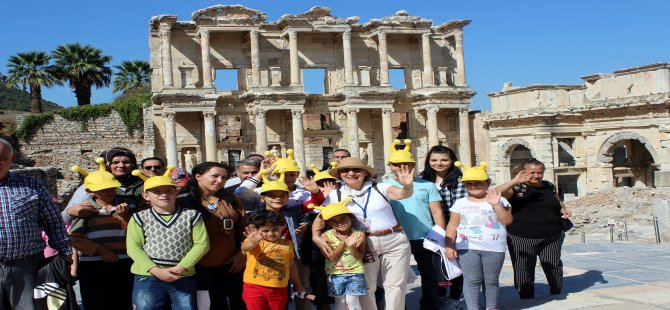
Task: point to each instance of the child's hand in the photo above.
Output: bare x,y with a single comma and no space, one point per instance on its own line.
253,234
493,197
354,239
107,255
176,270
164,274
309,184
450,253
302,228
328,187
122,210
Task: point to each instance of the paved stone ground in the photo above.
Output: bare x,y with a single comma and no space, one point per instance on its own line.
596,276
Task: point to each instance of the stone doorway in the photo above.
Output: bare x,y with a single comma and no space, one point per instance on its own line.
632,159
518,155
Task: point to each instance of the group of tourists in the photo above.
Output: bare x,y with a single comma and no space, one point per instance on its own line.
144,235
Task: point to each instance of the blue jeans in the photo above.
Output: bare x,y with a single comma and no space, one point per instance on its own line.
150,293
480,267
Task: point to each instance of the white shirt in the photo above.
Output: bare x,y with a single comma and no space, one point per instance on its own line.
378,215
479,228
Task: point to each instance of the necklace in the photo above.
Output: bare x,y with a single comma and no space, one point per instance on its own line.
226,221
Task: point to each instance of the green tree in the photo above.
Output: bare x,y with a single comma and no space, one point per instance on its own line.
31,69
132,74
84,67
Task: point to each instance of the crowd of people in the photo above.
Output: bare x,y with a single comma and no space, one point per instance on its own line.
143,235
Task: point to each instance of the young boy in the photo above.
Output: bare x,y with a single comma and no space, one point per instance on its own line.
101,240
165,242
269,263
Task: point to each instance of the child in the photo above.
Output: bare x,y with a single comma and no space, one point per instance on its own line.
346,280
479,221
165,242
101,242
269,263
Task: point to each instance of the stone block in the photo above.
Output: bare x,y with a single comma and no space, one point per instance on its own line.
662,178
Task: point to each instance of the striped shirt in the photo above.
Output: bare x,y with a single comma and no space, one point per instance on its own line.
26,210
100,230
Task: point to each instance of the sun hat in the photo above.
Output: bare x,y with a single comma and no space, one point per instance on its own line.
322,175
403,155
334,209
351,162
99,179
477,173
287,163
277,185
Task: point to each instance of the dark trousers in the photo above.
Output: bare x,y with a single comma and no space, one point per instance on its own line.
225,288
17,280
524,252
429,285
106,285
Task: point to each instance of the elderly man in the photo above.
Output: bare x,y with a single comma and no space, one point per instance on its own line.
152,166
245,169
26,209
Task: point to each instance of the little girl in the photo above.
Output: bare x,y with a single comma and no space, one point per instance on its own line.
346,279
476,235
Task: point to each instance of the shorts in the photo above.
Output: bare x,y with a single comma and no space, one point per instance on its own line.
347,284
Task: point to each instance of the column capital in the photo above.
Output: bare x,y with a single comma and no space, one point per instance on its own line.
297,112
260,113
463,111
458,36
165,30
432,111
346,35
426,36
169,116
387,111
352,111
204,32
254,34
381,36
209,114
293,34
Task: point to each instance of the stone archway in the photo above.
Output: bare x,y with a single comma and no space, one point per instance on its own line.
631,157
516,151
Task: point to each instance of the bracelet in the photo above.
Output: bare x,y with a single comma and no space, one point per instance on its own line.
408,188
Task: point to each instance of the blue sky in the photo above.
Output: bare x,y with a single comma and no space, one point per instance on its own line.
526,42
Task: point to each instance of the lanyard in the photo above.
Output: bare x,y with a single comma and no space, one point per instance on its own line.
364,208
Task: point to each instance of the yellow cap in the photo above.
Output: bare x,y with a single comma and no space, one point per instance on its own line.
159,180
99,179
323,175
473,173
401,156
277,185
287,163
335,209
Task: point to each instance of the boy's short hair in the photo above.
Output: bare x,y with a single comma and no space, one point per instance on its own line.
267,218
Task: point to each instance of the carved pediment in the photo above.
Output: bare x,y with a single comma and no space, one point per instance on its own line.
317,15
452,25
155,21
400,19
228,14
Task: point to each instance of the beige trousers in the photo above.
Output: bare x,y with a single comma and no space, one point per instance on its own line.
392,258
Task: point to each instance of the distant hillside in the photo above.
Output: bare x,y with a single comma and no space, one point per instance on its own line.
17,100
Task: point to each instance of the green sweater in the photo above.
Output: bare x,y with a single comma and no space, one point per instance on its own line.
141,261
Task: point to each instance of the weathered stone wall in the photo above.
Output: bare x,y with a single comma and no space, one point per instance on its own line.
47,176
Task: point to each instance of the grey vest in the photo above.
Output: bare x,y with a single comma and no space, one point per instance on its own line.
167,242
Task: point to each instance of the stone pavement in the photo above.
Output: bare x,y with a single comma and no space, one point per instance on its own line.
596,276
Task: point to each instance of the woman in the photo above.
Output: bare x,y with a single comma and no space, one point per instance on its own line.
389,248
536,230
439,169
219,272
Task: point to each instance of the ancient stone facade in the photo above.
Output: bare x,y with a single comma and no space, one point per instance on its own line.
358,109
614,130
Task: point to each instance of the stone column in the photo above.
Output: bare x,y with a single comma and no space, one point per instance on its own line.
166,55
460,60
261,132
170,138
383,60
348,65
298,140
206,59
431,126
352,118
387,131
465,155
210,135
427,61
293,51
255,61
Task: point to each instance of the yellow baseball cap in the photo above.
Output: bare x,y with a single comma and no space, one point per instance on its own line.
477,173
159,180
287,163
401,156
323,175
335,209
277,185
99,179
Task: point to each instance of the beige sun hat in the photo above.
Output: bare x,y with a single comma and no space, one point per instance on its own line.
351,162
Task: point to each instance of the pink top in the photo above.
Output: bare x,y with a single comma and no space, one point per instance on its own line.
49,251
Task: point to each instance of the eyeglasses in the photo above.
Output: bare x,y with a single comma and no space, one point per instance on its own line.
354,170
152,167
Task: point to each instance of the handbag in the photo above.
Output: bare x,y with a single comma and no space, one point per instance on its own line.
566,224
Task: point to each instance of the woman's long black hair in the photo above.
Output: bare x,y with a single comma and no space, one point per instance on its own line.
453,173
192,188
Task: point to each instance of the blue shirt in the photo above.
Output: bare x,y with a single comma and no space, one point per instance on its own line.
414,212
26,210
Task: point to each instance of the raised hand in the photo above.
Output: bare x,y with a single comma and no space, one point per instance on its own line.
405,176
493,197
253,234
328,187
522,177
309,184
353,239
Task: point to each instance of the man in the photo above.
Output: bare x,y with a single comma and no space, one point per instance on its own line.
245,169
152,166
337,156
26,209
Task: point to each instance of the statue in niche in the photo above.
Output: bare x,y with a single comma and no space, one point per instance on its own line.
189,161
364,155
275,151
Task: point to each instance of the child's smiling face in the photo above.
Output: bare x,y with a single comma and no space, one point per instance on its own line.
477,189
270,233
275,200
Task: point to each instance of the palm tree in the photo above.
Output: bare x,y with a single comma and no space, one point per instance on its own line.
132,74
84,67
31,69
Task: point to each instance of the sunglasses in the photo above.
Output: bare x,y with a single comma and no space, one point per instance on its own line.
354,170
152,167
